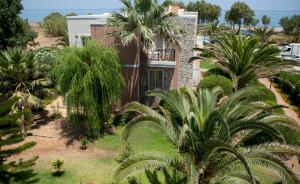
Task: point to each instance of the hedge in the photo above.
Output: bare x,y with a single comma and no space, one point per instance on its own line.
212,81
289,83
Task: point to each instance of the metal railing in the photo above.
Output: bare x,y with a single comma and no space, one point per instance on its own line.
162,55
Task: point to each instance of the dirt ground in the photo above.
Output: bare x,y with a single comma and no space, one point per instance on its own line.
43,39
53,142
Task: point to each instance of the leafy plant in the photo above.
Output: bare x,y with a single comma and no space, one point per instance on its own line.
11,134
15,32
245,59
84,142
55,24
210,137
133,180
213,81
91,79
23,76
126,153
57,166
207,12
239,14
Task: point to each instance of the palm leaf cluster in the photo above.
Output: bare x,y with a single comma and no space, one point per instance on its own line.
210,136
213,30
139,21
245,59
10,134
91,79
23,76
264,34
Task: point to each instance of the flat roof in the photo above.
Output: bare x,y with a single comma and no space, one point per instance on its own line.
95,16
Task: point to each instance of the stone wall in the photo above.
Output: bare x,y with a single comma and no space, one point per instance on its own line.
188,41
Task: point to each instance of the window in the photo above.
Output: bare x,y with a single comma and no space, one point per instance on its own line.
155,79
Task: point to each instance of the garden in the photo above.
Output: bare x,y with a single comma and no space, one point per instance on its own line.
58,122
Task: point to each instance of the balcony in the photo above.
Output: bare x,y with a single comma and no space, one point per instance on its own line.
162,58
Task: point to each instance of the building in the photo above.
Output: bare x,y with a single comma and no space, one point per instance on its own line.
164,67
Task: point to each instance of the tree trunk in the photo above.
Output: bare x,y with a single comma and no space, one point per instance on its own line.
239,29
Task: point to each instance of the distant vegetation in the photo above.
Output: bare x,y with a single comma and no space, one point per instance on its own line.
291,26
207,12
55,24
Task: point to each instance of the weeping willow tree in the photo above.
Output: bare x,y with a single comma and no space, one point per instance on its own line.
91,79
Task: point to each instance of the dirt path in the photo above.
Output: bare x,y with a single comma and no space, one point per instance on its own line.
293,162
43,39
53,143
288,111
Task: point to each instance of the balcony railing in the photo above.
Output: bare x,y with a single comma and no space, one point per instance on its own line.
162,55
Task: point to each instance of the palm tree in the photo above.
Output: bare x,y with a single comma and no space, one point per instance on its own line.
139,22
209,135
263,34
245,59
91,79
212,30
23,76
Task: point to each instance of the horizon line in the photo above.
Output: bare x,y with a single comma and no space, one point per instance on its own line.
120,8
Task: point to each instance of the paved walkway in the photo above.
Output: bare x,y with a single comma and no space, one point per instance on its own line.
280,101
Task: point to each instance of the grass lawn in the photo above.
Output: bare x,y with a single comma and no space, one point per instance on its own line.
206,64
99,169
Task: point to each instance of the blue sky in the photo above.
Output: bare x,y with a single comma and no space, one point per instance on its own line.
292,5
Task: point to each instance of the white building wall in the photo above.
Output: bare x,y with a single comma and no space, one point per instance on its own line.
81,26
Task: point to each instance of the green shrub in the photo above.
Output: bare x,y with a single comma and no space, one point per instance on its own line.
212,81
58,167
289,83
55,24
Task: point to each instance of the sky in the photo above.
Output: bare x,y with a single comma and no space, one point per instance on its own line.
286,5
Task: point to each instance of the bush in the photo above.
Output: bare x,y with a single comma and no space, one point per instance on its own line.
289,83
212,81
55,24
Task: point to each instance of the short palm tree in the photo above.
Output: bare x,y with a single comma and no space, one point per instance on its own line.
209,135
263,34
213,30
23,76
245,59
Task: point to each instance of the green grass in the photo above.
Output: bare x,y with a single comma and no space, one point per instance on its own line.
206,64
85,169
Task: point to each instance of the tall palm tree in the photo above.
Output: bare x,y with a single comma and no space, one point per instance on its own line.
141,20
245,59
23,76
209,135
91,79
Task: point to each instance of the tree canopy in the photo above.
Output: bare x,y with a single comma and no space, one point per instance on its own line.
239,14
91,79
22,75
245,59
210,137
265,20
14,31
291,26
55,24
207,12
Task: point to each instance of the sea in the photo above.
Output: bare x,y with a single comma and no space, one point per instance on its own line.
37,15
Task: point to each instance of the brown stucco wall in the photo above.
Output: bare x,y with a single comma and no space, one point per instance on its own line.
129,58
